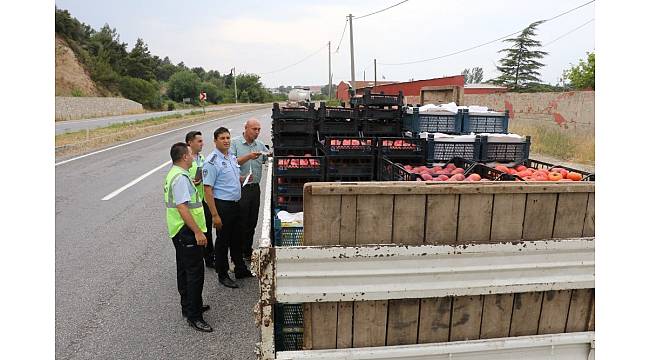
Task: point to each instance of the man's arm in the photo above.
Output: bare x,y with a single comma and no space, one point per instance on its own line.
184,211
209,199
250,156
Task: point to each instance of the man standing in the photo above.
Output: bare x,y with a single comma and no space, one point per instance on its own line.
195,140
186,227
247,148
223,192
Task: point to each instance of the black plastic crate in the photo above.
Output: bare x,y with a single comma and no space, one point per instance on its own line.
325,112
299,112
395,171
484,123
347,145
295,151
386,128
380,99
286,141
292,186
378,114
536,164
344,168
287,235
504,151
398,147
432,123
290,204
337,127
299,166
441,150
289,326
293,126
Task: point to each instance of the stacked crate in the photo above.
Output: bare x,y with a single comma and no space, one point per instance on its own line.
349,158
380,115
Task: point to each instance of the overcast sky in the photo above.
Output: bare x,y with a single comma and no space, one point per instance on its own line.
264,36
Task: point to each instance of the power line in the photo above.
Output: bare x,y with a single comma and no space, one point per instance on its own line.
296,63
485,43
378,11
341,40
568,33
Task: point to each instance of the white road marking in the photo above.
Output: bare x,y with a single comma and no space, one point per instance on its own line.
151,136
116,192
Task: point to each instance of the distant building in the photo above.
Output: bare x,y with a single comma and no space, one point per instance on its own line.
344,86
484,89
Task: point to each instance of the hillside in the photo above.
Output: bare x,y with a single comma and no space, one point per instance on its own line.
71,78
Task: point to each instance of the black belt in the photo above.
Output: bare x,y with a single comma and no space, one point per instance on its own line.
252,184
227,201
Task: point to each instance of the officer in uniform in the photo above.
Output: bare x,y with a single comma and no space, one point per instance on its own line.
186,227
195,140
251,165
222,191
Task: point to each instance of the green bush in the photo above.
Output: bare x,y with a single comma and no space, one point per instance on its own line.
171,106
77,92
141,91
184,84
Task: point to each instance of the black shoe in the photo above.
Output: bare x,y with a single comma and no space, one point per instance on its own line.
200,325
204,308
243,274
227,282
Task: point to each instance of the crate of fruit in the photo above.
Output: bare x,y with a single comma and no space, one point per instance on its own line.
299,166
288,203
347,146
535,170
379,114
484,122
357,168
456,169
504,147
379,99
293,141
385,128
444,147
401,147
335,112
438,121
298,112
293,126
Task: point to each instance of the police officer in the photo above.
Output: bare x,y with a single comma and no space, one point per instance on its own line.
249,204
186,227
195,140
222,191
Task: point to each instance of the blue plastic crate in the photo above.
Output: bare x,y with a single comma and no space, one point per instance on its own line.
442,151
504,151
289,326
287,235
484,123
432,123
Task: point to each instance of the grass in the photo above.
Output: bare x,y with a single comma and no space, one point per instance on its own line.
576,144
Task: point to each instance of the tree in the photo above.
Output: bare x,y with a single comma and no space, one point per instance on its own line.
519,67
139,63
183,84
583,75
473,76
141,91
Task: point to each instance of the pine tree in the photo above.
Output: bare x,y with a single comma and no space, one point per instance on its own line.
519,67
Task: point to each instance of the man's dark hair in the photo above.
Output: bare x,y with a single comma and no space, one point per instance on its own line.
178,150
191,135
220,131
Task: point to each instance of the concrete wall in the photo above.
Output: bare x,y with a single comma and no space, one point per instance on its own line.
72,108
569,110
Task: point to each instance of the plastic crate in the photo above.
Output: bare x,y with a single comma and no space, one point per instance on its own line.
432,123
290,204
289,326
287,235
484,123
325,112
386,128
288,141
292,186
400,147
300,112
357,167
340,127
536,164
441,151
397,171
504,151
295,151
378,114
347,145
293,126
299,166
380,99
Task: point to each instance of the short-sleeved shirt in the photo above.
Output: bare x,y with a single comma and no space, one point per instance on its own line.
197,164
182,189
240,148
222,174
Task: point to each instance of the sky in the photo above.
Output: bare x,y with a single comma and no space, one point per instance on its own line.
263,37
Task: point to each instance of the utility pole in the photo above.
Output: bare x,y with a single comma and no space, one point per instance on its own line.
329,69
234,76
364,74
375,84
354,88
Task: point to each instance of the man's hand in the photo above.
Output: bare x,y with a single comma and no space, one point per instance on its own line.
201,240
254,155
196,181
216,222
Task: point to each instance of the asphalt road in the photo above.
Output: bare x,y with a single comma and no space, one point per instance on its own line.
76,125
116,295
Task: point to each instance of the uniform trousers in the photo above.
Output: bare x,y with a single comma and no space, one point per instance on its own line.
228,238
189,273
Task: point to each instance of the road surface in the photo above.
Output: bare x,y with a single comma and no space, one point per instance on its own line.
76,125
116,294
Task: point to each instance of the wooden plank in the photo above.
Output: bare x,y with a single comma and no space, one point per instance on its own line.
525,313
306,334
344,325
466,318
323,220
539,216
570,215
408,219
555,309
369,323
590,217
497,310
348,219
431,188
592,316
403,317
374,219
435,314
442,220
474,219
323,325
508,217
579,310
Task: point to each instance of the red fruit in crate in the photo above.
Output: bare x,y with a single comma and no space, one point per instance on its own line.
502,169
562,171
426,177
437,168
554,176
512,171
574,176
443,177
457,177
540,176
346,142
524,173
307,154
408,167
281,200
398,143
280,180
304,163
450,166
474,177
458,171
520,168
